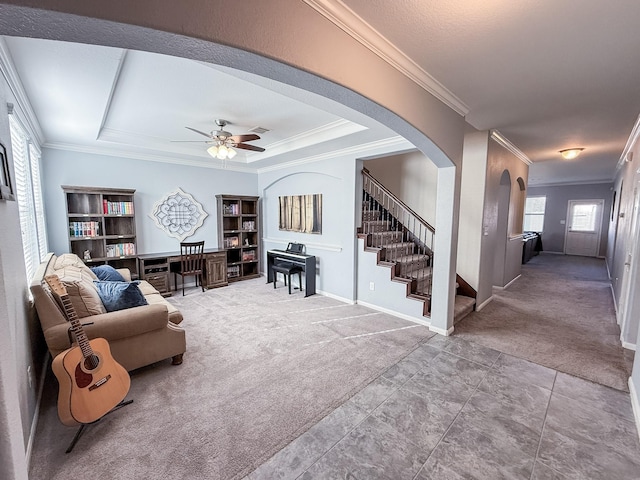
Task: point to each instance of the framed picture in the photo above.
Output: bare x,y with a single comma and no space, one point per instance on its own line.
301,213
6,188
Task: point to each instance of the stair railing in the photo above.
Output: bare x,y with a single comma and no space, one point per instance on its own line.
406,238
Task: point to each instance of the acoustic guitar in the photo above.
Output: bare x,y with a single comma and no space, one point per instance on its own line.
91,382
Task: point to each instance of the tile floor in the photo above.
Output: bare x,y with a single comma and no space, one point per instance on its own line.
456,410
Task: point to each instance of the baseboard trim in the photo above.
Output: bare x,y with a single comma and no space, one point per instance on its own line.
508,284
336,297
635,404
484,304
627,345
554,253
442,331
394,313
36,412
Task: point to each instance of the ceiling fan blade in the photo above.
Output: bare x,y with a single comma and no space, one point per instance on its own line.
189,141
248,137
198,131
245,146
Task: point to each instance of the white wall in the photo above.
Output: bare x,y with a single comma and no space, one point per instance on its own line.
334,247
151,180
474,168
412,177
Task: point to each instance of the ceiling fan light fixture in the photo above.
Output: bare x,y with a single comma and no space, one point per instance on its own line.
570,153
231,153
213,151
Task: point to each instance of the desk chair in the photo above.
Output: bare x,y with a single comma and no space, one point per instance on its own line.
191,263
286,269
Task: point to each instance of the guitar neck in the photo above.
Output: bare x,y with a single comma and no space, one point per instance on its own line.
76,326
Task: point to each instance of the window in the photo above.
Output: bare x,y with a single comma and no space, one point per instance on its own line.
583,217
26,162
534,214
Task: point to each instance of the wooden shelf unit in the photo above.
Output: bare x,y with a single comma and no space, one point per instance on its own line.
102,221
239,235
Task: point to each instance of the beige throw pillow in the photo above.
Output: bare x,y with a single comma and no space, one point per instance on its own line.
83,294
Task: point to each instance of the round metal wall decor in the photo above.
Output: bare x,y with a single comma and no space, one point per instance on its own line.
178,214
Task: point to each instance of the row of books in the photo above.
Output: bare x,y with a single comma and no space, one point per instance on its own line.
231,242
84,229
121,250
231,209
249,225
248,256
117,208
233,271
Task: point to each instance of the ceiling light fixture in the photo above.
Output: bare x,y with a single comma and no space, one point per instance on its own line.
571,153
221,151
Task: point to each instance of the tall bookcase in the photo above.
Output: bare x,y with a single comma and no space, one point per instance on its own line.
239,235
102,223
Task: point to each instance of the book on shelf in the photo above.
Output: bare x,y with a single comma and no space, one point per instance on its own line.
249,225
230,209
120,250
249,256
231,242
117,208
84,229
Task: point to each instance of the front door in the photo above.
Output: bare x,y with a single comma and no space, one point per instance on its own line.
584,222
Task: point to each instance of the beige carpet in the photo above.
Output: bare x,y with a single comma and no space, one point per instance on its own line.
559,314
261,367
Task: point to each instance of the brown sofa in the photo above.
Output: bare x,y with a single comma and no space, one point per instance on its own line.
137,336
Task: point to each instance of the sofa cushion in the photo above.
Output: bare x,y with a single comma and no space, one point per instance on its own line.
119,295
107,273
82,293
72,260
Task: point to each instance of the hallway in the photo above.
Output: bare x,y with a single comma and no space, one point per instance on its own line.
559,314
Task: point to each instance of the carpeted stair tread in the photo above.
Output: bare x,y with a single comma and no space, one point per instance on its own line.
463,306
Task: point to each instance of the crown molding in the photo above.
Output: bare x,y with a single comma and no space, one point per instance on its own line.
503,141
25,111
633,138
389,144
568,184
151,157
330,131
346,19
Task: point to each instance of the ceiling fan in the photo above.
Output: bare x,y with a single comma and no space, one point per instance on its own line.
223,143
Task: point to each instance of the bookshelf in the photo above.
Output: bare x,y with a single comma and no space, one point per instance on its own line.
102,222
239,235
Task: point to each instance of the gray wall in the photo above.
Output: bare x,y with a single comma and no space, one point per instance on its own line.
151,180
556,210
20,336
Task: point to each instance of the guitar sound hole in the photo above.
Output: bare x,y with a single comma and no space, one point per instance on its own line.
91,362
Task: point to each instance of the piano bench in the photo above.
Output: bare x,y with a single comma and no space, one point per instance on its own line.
286,269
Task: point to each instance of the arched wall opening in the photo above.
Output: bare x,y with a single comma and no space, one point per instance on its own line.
281,41
502,230
285,41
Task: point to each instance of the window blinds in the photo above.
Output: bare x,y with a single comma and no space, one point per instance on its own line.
26,164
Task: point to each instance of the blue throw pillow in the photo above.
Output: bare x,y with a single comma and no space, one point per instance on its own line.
120,295
107,272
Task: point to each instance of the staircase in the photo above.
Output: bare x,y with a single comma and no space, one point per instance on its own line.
403,242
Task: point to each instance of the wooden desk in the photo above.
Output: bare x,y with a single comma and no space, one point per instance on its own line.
156,268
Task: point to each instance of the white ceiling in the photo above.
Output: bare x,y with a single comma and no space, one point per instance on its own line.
547,74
